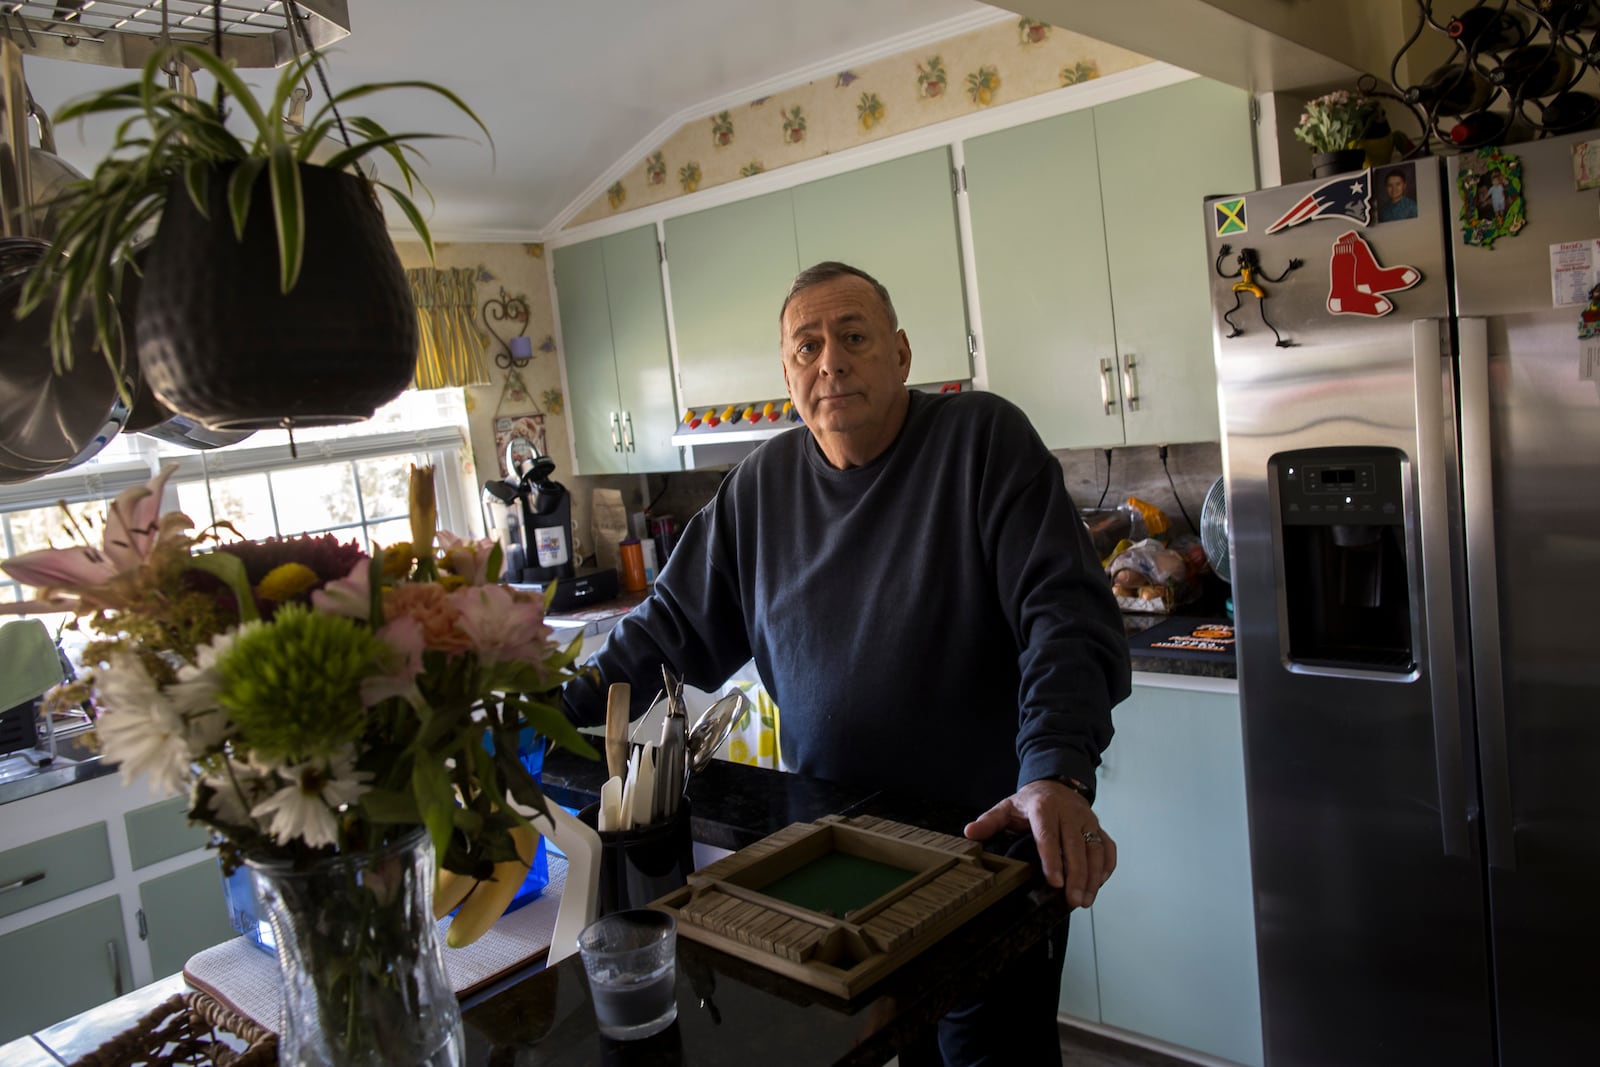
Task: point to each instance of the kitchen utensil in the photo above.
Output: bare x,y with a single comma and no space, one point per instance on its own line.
712,728
647,728
617,728
644,787
671,762
611,804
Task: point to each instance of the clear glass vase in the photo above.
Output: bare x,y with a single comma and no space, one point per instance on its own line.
363,971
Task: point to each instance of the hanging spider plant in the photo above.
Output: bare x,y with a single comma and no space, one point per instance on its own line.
175,140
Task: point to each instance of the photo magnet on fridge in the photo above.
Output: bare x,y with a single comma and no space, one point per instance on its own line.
1490,184
1397,192
1346,197
1246,268
1356,281
1586,165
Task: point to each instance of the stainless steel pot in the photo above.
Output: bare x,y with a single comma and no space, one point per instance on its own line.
48,421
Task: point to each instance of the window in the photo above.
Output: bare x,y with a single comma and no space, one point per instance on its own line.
351,481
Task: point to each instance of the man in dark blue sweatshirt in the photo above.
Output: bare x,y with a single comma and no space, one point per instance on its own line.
924,606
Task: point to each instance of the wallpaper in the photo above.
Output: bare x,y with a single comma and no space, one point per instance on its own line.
998,64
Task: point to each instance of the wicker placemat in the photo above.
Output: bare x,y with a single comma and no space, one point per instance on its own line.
240,976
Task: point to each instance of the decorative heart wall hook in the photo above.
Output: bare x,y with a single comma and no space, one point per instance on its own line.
508,308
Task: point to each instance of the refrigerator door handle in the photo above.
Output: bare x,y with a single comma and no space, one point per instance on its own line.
1439,619
1483,591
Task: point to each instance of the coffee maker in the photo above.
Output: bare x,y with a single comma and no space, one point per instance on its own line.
533,516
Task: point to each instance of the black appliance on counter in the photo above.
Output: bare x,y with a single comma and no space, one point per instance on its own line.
537,513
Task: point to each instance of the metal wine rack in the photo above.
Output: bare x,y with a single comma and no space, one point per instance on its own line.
1516,61
123,33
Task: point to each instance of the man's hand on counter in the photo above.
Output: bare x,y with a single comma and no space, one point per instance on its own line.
1069,837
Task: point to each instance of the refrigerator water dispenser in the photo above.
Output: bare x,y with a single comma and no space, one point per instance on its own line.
1345,585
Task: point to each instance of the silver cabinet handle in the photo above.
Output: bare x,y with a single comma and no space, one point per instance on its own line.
1130,382
1105,385
1483,593
627,428
116,968
1434,535
616,434
27,879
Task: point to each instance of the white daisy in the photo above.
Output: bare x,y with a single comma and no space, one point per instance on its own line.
232,794
194,694
138,727
305,807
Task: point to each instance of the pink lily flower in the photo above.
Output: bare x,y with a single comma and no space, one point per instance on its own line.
81,578
502,626
350,596
398,678
466,557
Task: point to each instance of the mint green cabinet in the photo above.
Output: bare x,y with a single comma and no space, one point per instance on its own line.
162,830
731,266
618,360
1090,255
59,967
1174,928
182,913
52,867
897,221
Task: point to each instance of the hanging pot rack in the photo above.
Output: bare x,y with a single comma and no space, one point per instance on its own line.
123,33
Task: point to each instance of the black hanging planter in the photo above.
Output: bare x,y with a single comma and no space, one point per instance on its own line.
220,344
1342,161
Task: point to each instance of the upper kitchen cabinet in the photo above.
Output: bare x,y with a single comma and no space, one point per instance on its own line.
1091,262
619,364
897,222
730,267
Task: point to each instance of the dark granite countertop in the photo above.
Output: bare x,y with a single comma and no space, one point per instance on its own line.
731,1011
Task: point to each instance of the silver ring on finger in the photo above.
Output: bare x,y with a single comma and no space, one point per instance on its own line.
1092,837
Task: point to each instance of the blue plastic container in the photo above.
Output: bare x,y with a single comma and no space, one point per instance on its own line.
245,913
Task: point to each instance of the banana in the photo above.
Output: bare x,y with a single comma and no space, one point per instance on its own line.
486,901
450,889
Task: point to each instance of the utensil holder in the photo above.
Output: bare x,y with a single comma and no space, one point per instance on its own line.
640,865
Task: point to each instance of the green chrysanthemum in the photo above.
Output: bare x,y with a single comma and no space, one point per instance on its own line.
293,685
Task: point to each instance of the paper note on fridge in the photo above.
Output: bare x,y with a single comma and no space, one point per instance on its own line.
1572,272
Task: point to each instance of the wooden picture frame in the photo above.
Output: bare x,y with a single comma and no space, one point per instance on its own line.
840,903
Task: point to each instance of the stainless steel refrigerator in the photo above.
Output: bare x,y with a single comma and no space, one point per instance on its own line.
1413,491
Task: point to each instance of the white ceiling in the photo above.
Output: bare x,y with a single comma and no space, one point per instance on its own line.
571,89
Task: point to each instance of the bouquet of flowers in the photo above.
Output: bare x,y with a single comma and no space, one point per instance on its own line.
1337,120
314,701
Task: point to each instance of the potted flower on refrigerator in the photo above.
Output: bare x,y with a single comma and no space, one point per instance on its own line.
1332,125
271,294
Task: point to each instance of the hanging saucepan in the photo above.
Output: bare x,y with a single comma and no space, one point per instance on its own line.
48,421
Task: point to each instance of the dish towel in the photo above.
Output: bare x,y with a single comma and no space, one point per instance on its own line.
29,662
239,975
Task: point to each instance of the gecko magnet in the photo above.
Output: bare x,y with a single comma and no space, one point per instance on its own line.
1356,281
1246,268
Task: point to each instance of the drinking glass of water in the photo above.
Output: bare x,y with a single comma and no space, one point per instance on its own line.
631,959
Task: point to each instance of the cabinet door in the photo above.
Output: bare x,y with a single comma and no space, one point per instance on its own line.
1040,254
643,359
58,967
1080,985
1161,153
1174,927
730,267
184,912
590,358
897,222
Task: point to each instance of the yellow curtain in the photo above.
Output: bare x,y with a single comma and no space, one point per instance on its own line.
450,346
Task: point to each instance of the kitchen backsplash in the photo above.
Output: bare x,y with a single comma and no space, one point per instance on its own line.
1135,471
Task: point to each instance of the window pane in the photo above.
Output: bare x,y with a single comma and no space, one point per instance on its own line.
385,486
193,502
241,500
48,528
314,498
385,534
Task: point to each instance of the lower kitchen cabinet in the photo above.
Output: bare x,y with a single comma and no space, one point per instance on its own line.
58,967
1172,948
183,912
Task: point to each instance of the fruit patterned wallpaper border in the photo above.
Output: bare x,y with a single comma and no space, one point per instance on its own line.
997,64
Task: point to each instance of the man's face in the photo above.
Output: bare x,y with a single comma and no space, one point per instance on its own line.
1396,186
845,367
